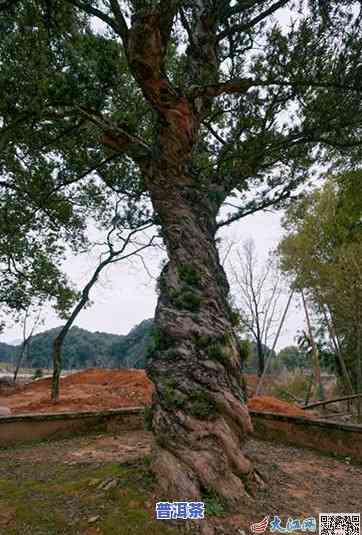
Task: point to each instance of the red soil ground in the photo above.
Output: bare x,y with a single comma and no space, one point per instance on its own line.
92,389
97,389
270,404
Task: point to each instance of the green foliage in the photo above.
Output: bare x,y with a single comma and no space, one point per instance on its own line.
234,316
74,83
186,299
214,503
217,351
132,351
173,397
202,341
292,357
295,383
245,350
37,374
251,365
189,275
147,417
202,405
59,65
7,352
86,349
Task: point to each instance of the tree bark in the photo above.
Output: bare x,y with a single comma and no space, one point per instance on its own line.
57,364
199,416
261,364
317,369
339,356
20,358
268,361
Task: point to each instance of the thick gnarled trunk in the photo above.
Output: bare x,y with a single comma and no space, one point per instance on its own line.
199,415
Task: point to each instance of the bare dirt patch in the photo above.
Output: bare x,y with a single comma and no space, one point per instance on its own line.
92,389
271,404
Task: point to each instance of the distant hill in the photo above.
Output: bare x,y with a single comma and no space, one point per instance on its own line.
85,349
131,350
7,352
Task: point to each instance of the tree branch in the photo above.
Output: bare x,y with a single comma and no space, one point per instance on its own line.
121,23
247,26
117,138
243,212
241,6
168,10
242,85
95,12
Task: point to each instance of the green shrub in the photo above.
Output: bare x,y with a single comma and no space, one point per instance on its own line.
217,352
174,398
160,340
189,275
245,350
214,504
201,341
38,373
147,417
202,405
186,299
234,316
295,383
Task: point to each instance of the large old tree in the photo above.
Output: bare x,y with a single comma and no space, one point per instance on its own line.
181,104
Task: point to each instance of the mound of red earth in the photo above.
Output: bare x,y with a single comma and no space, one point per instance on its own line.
88,390
271,404
100,389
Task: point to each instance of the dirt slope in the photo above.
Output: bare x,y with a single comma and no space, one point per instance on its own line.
98,388
92,389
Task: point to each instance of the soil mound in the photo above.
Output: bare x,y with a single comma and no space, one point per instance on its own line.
91,389
100,388
271,404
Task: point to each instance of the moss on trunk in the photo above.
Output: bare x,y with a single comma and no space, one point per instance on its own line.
199,415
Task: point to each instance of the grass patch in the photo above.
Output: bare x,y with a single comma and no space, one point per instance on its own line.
214,505
295,383
56,499
202,405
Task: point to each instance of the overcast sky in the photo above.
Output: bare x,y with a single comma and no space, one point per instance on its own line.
125,294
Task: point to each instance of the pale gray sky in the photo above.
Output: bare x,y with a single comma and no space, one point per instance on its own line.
125,294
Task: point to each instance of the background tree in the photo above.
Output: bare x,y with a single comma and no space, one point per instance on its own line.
27,336
325,265
293,357
121,244
243,107
257,293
